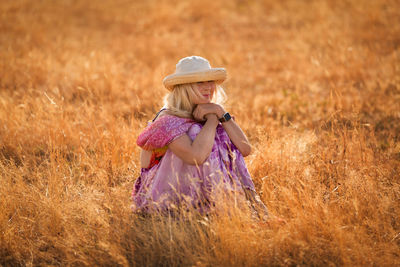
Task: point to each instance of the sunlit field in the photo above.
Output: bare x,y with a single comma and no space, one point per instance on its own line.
315,85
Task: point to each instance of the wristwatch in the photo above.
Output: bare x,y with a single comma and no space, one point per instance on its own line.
226,117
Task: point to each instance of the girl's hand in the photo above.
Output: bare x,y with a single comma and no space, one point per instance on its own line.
202,109
211,116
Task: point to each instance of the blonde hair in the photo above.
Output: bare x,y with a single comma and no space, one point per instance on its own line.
180,101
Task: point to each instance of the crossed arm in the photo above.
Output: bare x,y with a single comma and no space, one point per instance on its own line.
233,130
198,150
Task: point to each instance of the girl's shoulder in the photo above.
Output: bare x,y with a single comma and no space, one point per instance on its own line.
162,130
164,117
159,114
167,119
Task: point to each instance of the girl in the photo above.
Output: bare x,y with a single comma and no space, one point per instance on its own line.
192,151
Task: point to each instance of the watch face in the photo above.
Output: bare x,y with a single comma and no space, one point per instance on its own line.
227,116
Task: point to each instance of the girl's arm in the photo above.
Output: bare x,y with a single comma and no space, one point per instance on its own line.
233,130
237,136
145,157
196,151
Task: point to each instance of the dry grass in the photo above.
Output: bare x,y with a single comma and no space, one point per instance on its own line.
314,84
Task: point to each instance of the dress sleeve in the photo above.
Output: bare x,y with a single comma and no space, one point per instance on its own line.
163,131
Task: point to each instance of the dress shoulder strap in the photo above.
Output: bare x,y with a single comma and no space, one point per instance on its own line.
158,113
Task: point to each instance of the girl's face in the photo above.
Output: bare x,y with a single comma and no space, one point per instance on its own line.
206,90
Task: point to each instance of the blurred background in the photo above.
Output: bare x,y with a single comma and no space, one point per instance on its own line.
275,52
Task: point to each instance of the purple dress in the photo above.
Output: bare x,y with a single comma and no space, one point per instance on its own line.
170,182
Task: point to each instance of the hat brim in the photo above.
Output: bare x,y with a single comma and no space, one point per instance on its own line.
215,74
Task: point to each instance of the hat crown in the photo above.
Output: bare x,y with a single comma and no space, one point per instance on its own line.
192,64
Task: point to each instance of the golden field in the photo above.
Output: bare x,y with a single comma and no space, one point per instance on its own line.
314,84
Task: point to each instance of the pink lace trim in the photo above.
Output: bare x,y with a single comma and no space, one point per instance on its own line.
163,131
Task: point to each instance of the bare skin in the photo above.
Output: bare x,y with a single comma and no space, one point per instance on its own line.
145,157
233,130
197,151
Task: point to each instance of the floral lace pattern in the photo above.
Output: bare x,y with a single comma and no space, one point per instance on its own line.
163,131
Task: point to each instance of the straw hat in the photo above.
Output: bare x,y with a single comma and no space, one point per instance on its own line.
194,69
